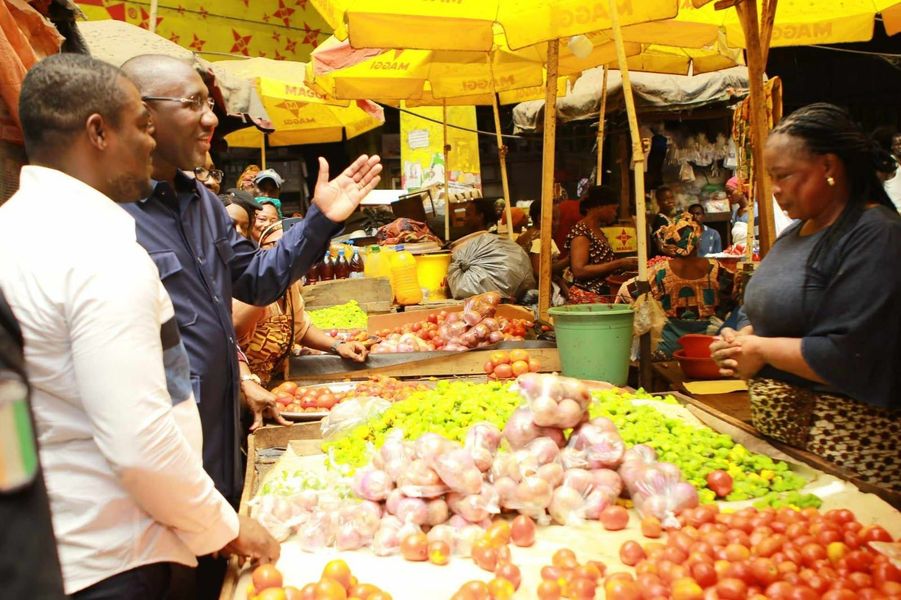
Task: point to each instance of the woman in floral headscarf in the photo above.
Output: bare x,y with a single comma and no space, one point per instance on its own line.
688,286
692,290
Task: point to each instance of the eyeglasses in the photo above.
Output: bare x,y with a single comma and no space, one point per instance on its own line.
194,102
203,174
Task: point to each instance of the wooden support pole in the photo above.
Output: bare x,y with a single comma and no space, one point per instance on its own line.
547,179
447,202
637,150
262,151
599,175
747,14
502,157
645,372
154,9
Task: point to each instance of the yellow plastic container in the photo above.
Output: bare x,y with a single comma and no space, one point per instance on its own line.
431,270
377,263
403,274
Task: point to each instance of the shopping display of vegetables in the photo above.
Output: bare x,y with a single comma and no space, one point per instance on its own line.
476,326
698,452
292,398
337,582
341,316
560,467
440,475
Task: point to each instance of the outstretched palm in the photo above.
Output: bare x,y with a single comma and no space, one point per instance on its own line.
338,198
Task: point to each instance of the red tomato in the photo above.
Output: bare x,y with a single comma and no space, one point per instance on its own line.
811,553
764,571
885,572
859,560
519,367
631,553
650,527
802,592
503,371
500,357
676,555
519,355
510,572
621,589
581,589
875,533
522,531
687,588
704,574
731,589
439,553
720,482
415,547
736,552
860,580
565,558
614,518
781,590
266,576
839,594
488,367
534,365
484,555
549,590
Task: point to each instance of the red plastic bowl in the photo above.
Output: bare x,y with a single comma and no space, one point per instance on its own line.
697,368
696,345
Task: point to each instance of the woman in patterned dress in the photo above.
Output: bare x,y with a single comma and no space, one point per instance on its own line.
820,346
591,258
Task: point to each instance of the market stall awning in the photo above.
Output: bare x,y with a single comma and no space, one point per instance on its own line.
299,114
116,42
469,24
652,91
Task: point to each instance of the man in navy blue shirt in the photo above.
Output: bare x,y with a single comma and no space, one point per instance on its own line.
202,260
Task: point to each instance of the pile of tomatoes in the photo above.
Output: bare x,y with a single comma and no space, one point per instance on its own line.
293,398
509,365
782,554
336,583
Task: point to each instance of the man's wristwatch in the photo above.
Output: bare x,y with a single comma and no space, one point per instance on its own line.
333,349
251,377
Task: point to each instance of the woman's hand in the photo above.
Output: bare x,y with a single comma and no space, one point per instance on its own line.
630,263
261,403
352,350
737,353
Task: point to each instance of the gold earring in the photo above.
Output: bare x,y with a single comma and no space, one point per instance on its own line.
830,181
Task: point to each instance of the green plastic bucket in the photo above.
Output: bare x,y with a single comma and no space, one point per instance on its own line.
594,340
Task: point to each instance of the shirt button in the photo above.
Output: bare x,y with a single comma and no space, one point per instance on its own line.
199,260
231,340
216,299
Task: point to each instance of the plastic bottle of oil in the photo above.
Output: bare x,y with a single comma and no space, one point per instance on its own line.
403,274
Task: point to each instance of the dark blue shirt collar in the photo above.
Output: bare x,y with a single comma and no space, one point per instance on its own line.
183,183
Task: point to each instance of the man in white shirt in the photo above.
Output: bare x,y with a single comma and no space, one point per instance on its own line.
118,427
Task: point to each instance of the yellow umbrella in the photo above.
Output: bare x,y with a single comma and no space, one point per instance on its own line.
431,78
775,23
299,114
796,22
469,24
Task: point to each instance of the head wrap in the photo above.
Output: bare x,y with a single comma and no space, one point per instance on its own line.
518,216
734,183
273,201
680,238
249,173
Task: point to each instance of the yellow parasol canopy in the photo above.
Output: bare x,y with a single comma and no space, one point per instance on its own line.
797,22
469,24
428,77
299,114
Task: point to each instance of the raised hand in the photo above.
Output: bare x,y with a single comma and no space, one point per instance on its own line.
338,198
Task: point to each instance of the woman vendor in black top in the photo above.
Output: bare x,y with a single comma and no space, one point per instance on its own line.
820,348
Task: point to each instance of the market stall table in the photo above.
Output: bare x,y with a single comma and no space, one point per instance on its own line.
404,579
668,375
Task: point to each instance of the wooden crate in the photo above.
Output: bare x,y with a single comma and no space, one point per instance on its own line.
304,438
414,364
373,294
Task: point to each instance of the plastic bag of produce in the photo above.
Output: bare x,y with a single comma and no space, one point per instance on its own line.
489,263
555,401
482,440
351,413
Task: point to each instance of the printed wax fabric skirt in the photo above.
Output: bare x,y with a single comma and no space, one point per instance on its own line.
857,437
